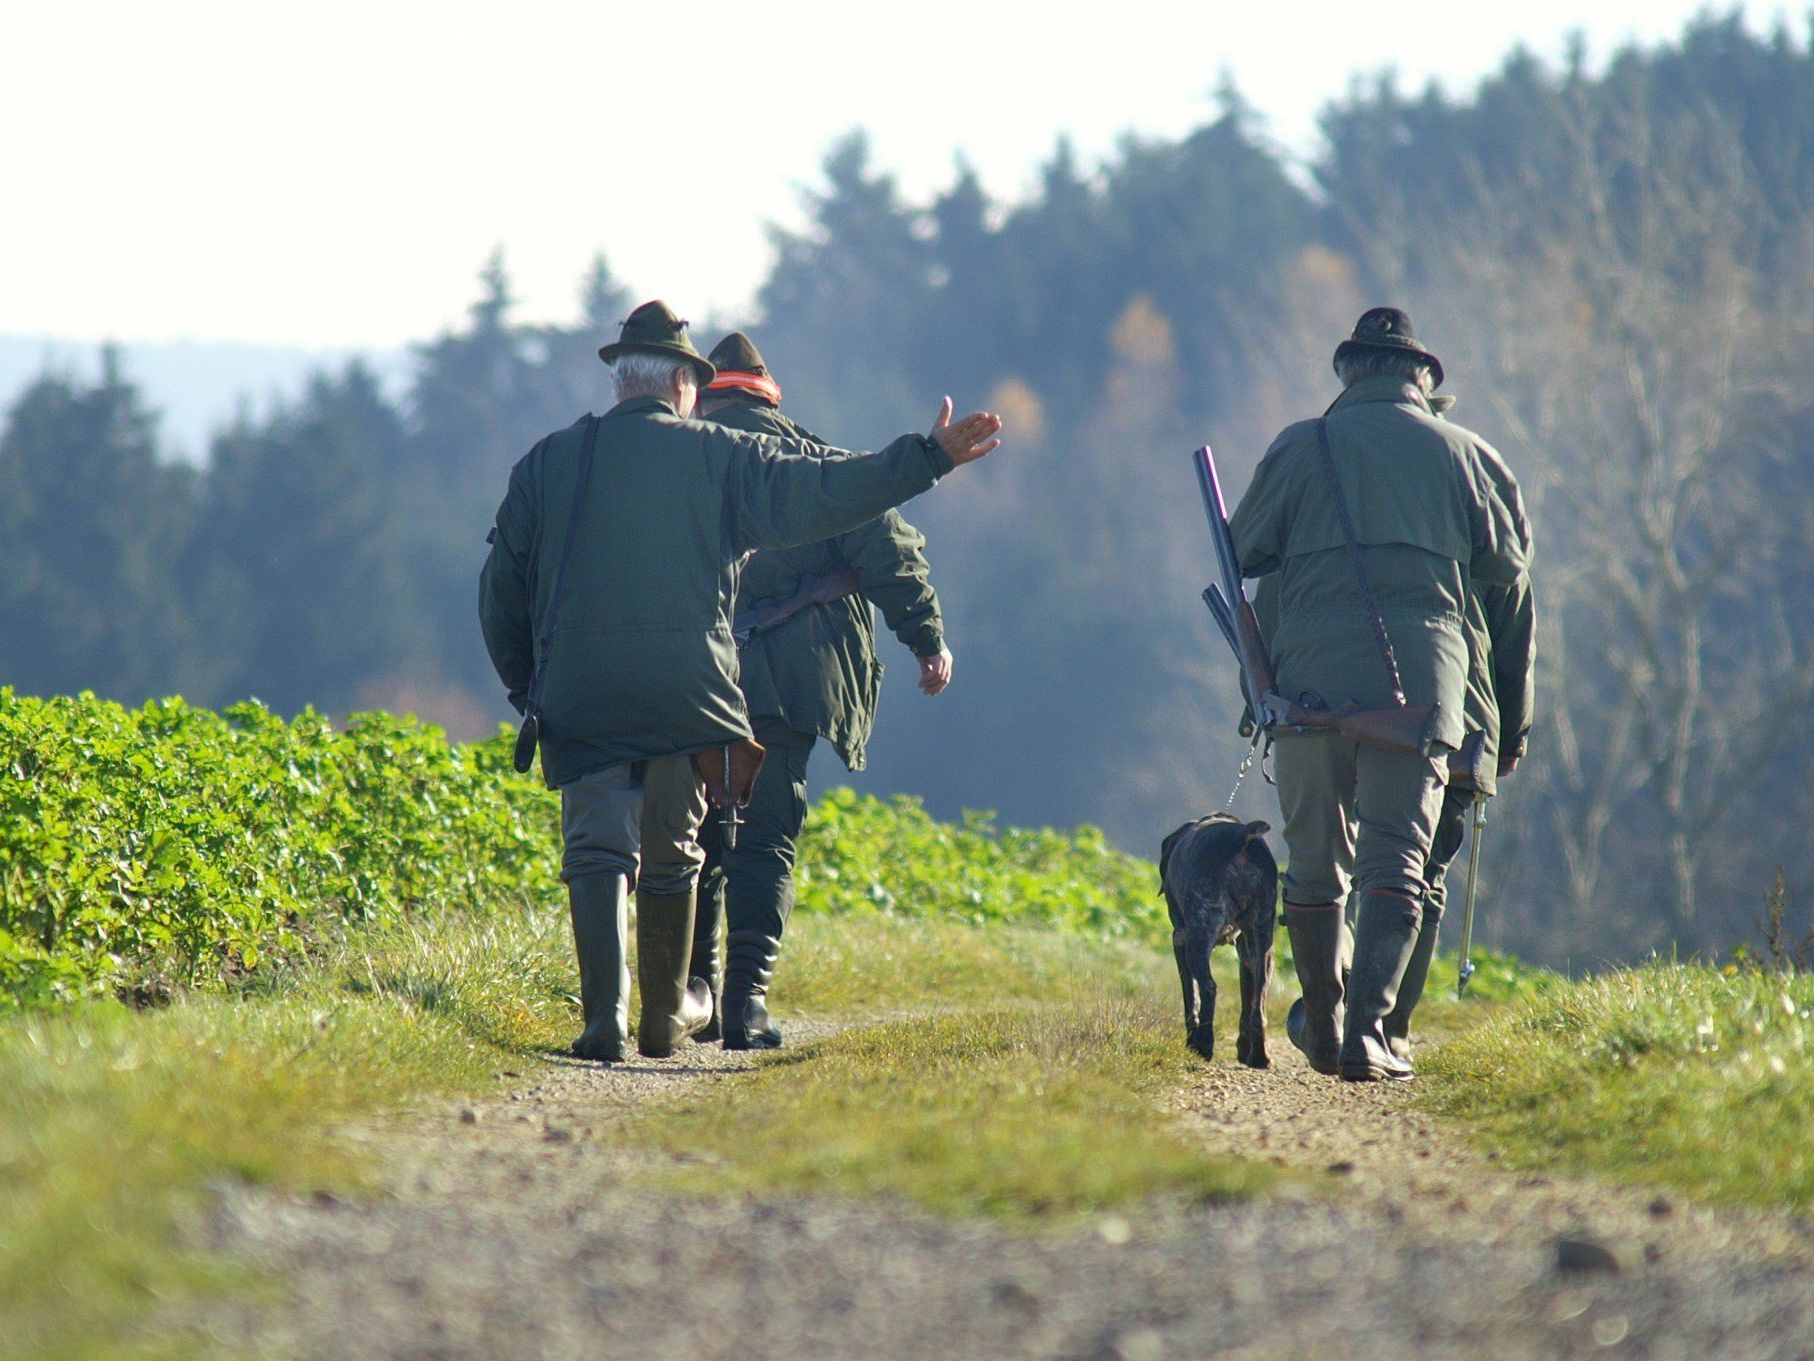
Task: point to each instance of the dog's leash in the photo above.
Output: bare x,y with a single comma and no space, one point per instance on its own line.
1253,753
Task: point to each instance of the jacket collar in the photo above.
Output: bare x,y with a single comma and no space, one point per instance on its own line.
1381,389
631,406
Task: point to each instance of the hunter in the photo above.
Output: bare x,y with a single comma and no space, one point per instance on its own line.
1502,656
606,608
1416,505
806,629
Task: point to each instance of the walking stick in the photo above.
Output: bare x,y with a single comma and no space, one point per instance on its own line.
1467,918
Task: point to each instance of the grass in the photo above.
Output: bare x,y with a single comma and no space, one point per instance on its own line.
118,1124
1023,1114
1670,1075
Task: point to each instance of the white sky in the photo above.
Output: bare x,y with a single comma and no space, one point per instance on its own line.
334,173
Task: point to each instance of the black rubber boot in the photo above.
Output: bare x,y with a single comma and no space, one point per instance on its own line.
749,965
1385,936
674,1005
1410,987
599,905
708,916
1318,951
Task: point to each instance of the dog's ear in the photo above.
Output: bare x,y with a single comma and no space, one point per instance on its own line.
1256,830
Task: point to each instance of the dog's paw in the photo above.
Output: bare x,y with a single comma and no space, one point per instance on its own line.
1253,1055
1202,1042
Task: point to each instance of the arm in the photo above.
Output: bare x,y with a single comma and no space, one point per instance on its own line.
1511,616
1501,533
777,494
889,556
1258,524
504,591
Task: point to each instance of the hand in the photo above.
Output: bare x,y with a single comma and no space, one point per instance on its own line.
1508,764
968,440
935,672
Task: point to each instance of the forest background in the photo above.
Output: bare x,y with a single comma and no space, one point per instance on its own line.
1616,265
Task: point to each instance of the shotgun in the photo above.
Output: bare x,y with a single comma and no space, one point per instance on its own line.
1408,728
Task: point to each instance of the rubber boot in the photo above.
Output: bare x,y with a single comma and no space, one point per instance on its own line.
674,1005
599,905
1318,950
1410,987
708,914
749,965
1385,936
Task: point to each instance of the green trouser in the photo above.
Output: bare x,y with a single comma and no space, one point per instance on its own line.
1363,817
752,887
1451,827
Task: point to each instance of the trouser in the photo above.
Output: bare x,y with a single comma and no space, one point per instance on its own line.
1451,827
1355,815
752,886
640,820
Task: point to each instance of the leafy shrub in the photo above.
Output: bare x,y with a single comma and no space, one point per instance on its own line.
892,856
171,844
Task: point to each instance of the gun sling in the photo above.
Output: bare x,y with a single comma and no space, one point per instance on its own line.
529,736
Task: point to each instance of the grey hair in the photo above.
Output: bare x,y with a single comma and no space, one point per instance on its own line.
1353,367
648,375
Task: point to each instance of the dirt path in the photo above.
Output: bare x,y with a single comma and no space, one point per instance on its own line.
517,1230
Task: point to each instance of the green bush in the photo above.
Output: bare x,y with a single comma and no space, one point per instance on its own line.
173,846
169,846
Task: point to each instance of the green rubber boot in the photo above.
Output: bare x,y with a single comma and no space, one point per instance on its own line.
674,1005
1410,988
1385,937
599,905
749,966
1318,951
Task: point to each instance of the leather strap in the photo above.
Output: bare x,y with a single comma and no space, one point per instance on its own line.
1380,636
545,643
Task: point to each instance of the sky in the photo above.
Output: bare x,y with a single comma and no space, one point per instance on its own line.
334,174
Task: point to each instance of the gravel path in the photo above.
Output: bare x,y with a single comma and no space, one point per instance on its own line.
517,1230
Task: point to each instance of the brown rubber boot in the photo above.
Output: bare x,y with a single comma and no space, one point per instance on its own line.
1410,988
674,1005
1385,936
599,905
1314,1023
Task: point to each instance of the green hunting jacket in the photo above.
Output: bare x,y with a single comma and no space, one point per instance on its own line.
818,671
1432,523
643,664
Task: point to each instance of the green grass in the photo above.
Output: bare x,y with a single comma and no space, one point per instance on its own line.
1024,1114
1670,1075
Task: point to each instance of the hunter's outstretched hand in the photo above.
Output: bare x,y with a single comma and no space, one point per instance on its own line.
970,438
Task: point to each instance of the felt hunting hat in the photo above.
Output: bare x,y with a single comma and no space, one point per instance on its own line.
1390,330
654,329
740,369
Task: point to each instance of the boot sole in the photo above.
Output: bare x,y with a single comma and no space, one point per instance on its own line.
1373,1073
749,1042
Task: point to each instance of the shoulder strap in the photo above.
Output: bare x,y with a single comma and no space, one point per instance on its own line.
1380,635
545,643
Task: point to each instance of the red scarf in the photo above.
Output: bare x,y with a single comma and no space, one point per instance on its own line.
761,384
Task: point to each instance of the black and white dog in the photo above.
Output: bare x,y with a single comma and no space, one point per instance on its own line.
1221,884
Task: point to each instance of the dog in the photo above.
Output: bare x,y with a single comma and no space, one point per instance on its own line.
1221,884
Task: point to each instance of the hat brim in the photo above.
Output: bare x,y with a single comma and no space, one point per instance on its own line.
702,367
1351,347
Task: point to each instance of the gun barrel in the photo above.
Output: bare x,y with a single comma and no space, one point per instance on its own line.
1223,615
1215,506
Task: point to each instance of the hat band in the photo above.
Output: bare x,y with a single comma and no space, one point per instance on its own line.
759,383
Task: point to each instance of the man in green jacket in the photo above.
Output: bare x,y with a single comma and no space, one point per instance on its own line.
809,670
1430,524
637,675
1501,625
